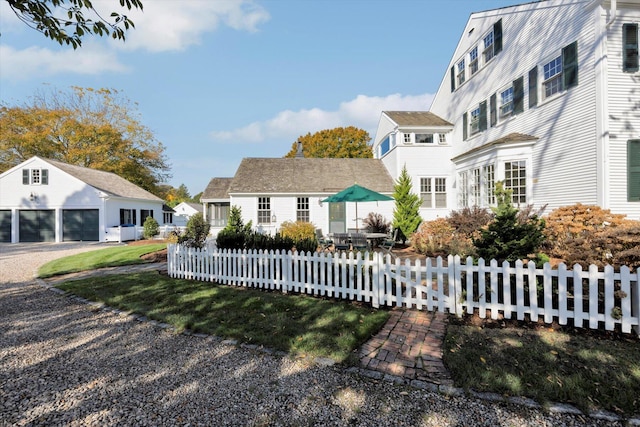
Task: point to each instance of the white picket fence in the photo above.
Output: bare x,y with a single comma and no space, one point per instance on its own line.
594,299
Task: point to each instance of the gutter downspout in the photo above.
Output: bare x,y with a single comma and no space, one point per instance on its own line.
614,11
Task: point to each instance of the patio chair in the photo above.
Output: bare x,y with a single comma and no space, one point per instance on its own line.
387,245
324,242
341,241
359,242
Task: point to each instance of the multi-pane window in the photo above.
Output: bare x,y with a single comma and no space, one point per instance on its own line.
515,179
440,192
433,192
488,47
460,75
424,138
35,176
488,176
302,209
475,187
442,138
506,102
474,123
473,61
407,138
552,73
463,190
167,217
264,210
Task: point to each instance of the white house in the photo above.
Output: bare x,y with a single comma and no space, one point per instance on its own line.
45,200
270,191
183,211
544,96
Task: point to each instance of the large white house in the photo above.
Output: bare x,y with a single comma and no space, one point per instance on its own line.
44,200
544,96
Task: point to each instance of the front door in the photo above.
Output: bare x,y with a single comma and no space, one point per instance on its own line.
337,218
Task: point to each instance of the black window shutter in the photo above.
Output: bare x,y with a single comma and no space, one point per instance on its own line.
497,37
453,79
518,95
630,47
134,219
464,126
483,116
493,107
570,65
25,176
44,177
533,87
633,170
121,216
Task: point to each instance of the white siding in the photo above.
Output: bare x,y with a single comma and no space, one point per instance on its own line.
623,114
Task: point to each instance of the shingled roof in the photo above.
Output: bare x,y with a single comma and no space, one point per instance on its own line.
106,182
218,188
511,138
416,118
309,175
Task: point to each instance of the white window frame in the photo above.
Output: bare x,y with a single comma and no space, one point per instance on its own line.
303,212
460,75
474,121
515,179
442,138
552,71
474,63
264,210
475,186
505,98
488,52
489,184
433,192
440,192
426,192
407,138
424,138
463,191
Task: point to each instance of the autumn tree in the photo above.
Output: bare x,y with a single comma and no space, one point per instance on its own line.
54,18
349,142
99,129
406,215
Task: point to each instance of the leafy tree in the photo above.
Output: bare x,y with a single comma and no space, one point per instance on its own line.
174,196
508,237
78,15
349,142
406,216
98,129
197,231
150,227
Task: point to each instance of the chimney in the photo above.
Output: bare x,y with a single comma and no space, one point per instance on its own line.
299,153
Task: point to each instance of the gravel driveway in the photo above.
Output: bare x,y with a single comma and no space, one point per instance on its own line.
66,363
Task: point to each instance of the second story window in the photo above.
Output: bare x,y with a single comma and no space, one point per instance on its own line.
407,138
630,48
506,102
424,138
552,82
442,138
474,123
488,47
561,72
460,75
473,61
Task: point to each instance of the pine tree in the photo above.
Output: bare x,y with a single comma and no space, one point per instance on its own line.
406,216
507,238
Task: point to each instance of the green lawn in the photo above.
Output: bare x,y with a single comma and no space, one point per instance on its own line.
109,257
585,369
293,323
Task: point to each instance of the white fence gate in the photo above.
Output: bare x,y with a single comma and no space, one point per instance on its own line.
593,298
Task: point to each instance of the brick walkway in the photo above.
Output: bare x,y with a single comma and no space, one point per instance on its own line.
409,346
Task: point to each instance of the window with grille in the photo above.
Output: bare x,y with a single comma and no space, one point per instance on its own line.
302,209
463,191
460,75
433,192
441,192
264,210
407,138
473,61
506,102
515,179
488,175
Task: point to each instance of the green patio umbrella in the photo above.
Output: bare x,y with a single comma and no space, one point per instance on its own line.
357,193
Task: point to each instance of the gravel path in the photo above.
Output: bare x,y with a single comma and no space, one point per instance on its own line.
66,363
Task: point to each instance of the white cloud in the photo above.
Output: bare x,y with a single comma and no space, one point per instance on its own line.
174,26
362,112
39,61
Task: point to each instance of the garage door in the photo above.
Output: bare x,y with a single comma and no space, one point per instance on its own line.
5,226
80,225
37,226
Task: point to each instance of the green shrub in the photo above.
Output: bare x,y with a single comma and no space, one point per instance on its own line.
306,245
150,228
230,239
236,223
196,233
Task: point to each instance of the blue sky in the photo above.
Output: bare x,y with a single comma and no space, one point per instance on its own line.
219,80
